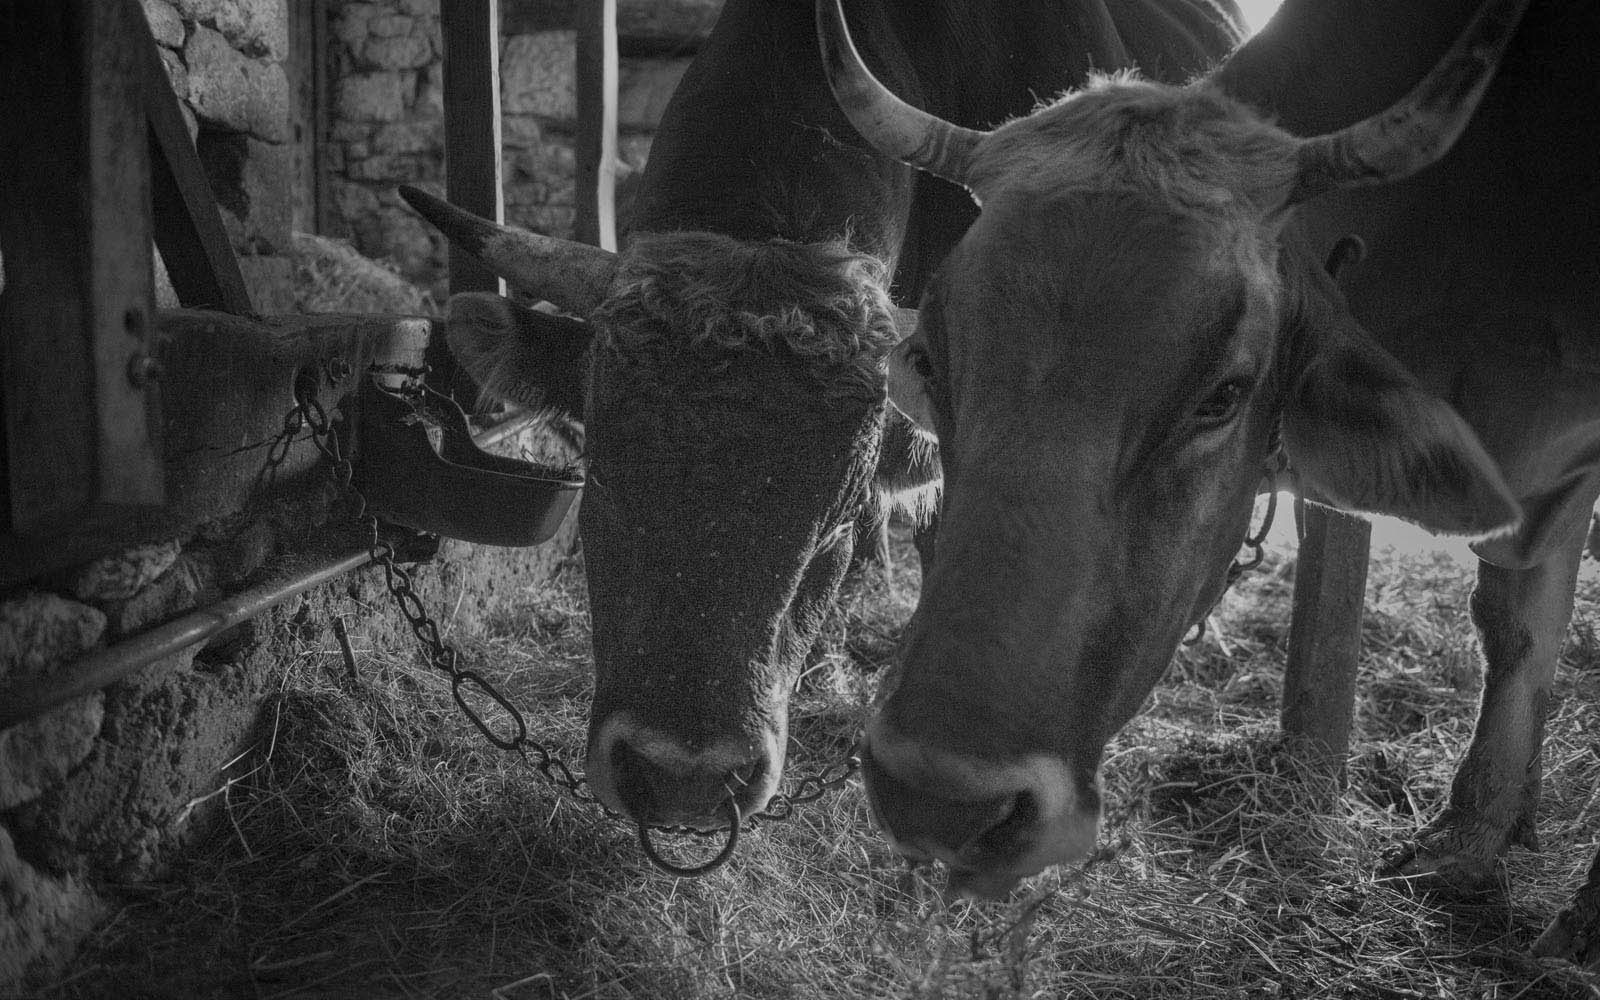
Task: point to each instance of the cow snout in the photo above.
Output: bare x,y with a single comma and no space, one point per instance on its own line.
660,780
993,822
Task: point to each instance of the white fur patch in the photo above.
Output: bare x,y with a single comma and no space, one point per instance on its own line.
1065,832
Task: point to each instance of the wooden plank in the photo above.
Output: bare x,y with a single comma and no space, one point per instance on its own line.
80,408
188,227
472,125
1325,633
595,147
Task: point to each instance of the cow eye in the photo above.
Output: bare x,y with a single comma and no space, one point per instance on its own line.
920,363
1223,403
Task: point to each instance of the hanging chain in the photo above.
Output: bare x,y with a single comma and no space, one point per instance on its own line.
1276,465
308,414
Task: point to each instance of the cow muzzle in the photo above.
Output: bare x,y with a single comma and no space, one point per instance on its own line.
992,822
657,779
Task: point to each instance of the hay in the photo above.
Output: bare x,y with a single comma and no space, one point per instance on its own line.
330,276
377,847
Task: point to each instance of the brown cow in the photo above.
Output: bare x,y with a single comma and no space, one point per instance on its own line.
1137,324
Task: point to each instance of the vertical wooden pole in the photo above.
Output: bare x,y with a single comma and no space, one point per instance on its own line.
595,219
1325,634
81,415
471,31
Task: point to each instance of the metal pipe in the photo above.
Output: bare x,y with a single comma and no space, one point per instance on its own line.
90,673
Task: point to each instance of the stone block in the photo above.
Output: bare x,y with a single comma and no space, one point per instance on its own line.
389,26
407,168
408,137
38,633
643,88
397,52
256,27
39,913
165,23
520,132
249,178
177,73
421,8
372,97
354,200
233,91
351,25
181,589
537,75
118,577
349,131
429,102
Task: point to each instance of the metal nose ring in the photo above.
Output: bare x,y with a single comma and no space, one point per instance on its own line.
731,808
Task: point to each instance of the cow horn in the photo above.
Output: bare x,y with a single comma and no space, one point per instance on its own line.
893,127
1422,127
575,276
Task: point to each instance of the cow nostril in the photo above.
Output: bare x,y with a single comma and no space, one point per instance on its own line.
1004,836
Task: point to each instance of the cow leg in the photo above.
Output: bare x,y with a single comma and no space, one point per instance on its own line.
1522,618
1575,932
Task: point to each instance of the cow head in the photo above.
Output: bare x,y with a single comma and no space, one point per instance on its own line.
736,428
1112,357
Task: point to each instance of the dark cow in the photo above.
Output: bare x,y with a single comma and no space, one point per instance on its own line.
1138,324
730,375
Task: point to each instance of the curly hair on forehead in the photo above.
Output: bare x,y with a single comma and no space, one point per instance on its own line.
711,295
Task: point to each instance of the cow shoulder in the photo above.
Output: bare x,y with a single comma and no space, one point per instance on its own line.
1365,436
520,355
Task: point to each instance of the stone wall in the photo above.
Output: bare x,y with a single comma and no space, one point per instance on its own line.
226,60
387,116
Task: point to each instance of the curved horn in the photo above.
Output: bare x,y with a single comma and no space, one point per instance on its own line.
893,127
575,276
1422,127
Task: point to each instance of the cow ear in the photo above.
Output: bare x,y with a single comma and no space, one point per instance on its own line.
908,473
1364,436
519,355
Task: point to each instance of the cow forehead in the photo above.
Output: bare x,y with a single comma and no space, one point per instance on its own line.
1193,147
1106,288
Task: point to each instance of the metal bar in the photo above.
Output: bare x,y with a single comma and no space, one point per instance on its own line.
104,666
595,146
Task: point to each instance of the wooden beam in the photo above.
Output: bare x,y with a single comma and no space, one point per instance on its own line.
80,405
188,228
595,148
472,126
1325,633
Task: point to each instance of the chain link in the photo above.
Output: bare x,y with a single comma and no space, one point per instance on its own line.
309,414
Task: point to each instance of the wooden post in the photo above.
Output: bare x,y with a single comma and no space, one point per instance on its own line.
595,152
1325,634
188,229
471,31
81,414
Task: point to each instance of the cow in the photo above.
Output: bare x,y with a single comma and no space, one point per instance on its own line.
729,365
1138,330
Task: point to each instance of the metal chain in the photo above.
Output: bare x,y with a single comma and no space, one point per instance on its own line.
1277,464
309,414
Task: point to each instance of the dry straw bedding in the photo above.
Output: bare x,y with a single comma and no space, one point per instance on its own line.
375,846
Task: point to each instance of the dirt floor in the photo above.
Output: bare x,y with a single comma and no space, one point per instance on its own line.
374,845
